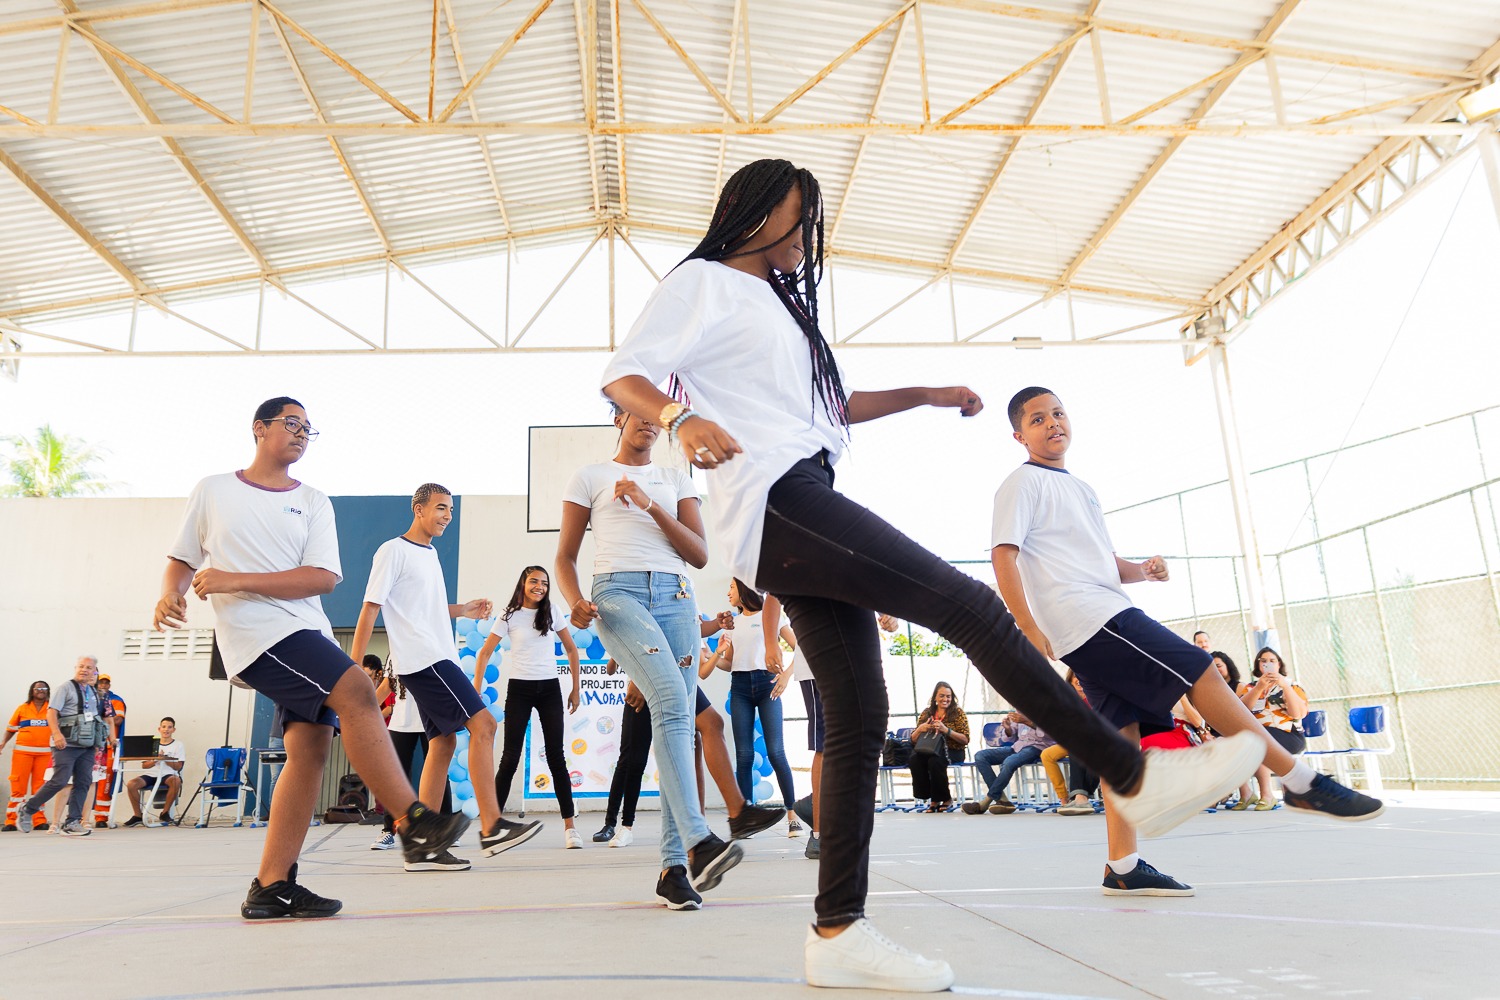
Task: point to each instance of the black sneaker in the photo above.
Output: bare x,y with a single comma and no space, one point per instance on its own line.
1143,880
803,808
8,828
100,824
41,827
286,899
814,848
505,835
752,820
1332,799
709,859
426,834
675,891
132,821
605,835
444,862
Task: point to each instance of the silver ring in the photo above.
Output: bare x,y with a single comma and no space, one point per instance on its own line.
700,451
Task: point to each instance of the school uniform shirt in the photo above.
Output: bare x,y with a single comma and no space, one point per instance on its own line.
745,365
627,538
749,642
172,751
801,669
532,656
406,580
1067,561
1271,710
28,726
236,526
404,716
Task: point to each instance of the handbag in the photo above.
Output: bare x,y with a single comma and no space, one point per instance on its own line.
928,744
896,752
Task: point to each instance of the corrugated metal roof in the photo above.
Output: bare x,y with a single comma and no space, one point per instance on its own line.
96,208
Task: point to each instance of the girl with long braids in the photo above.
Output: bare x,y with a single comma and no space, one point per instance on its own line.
647,532
531,620
763,408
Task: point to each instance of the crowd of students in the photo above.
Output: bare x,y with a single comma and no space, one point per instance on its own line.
728,358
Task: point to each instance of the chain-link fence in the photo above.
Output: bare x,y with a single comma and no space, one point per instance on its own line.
1386,591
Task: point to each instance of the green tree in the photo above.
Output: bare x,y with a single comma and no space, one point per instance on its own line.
921,644
52,465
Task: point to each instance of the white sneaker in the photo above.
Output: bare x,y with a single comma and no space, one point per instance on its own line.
864,958
623,837
572,839
386,842
1179,784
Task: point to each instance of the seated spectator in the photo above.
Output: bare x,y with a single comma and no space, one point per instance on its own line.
1029,742
1280,706
1075,797
929,771
165,770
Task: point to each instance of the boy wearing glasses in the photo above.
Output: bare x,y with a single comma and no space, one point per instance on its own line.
263,546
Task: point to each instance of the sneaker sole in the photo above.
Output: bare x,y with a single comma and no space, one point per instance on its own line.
1226,764
619,843
382,847
755,828
856,979
252,913
1108,891
686,904
506,845
1342,819
713,873
433,866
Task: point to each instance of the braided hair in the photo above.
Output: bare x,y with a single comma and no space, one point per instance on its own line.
748,198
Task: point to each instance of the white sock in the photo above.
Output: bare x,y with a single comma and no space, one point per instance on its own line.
1125,865
1299,779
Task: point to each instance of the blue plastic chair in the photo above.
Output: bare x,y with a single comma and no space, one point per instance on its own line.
1369,719
224,784
888,778
1315,724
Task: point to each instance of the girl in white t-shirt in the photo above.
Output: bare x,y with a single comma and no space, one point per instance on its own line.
764,410
534,624
756,689
647,531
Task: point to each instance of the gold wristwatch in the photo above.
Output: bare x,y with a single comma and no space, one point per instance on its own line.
669,413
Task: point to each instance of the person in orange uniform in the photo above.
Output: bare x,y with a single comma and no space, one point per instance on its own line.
33,753
106,757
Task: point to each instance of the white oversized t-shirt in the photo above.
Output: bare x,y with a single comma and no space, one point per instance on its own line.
172,751
749,642
1067,561
626,538
404,715
406,580
532,656
233,525
745,365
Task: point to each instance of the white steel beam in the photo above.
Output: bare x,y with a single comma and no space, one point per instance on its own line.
494,59
838,61
859,151
687,60
339,61
484,144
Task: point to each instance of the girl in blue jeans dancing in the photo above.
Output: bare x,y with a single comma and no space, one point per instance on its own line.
756,682
647,531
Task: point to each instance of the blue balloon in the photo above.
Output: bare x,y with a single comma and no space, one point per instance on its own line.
596,649
467,653
491,672
484,626
491,696
498,711
463,790
760,745
461,739
505,643
457,772
759,761
765,769
763,791
470,808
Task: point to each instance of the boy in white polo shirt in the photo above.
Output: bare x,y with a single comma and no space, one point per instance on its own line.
406,582
1059,576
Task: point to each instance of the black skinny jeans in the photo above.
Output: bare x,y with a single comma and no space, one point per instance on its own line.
833,563
635,747
406,752
546,698
929,776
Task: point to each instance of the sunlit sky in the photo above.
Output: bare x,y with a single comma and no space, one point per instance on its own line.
1330,361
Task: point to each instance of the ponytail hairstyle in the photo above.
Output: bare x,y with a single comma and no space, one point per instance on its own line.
750,599
748,199
518,599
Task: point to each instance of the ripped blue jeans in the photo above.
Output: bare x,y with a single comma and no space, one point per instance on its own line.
649,623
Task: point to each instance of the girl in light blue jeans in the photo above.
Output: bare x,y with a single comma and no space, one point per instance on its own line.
647,531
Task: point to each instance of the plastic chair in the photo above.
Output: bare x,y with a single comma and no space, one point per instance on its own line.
1315,724
150,793
224,785
1361,761
888,779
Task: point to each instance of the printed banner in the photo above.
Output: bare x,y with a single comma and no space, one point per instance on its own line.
591,737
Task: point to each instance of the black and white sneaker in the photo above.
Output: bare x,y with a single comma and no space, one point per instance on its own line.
504,835
709,859
1143,880
673,889
444,862
1332,799
132,821
427,834
605,835
752,820
286,899
75,828
814,849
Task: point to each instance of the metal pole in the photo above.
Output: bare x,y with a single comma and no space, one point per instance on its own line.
911,668
1390,661
1239,491
1187,557
1489,153
1484,551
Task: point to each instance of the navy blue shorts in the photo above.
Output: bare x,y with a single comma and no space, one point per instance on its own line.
814,703
297,674
446,699
703,702
1134,669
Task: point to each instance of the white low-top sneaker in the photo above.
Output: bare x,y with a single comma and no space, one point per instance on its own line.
572,840
1179,784
863,958
623,837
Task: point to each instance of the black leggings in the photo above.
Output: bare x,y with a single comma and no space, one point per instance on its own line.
832,563
546,697
406,752
635,747
929,777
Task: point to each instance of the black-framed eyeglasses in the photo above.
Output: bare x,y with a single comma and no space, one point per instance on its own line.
295,426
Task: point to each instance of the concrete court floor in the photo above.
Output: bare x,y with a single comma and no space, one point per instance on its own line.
1287,906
